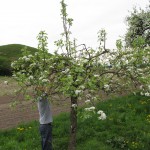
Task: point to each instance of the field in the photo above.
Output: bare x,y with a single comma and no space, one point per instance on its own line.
127,127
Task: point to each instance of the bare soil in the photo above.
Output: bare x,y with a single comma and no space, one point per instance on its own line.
27,111
23,112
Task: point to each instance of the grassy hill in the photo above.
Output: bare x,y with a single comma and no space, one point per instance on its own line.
9,53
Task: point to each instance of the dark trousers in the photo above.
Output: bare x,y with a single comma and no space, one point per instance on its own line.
46,136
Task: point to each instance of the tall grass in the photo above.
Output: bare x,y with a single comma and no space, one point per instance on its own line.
127,127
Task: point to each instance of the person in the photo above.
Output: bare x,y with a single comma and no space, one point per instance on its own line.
45,119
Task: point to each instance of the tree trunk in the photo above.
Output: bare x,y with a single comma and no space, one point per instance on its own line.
73,120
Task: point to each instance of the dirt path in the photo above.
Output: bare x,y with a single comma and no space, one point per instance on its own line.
25,112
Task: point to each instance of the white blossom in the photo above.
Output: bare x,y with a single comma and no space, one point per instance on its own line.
24,57
85,60
74,105
86,109
77,92
12,64
106,86
88,95
34,64
45,80
40,78
27,59
90,108
96,75
126,62
69,75
147,94
65,71
87,101
30,77
51,66
102,116
94,98
107,63
82,87
36,53
30,56
145,59
100,112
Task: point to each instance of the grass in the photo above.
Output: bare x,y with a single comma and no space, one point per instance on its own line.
127,127
9,53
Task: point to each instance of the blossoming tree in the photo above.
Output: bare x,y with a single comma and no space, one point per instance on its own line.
82,73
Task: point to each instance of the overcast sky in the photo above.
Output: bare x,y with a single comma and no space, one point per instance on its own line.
22,20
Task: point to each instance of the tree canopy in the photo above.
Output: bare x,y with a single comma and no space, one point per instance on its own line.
138,27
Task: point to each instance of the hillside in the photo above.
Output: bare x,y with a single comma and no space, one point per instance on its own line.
9,53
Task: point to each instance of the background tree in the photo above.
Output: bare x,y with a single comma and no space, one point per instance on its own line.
138,23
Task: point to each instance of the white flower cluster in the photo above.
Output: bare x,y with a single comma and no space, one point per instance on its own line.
45,80
31,77
90,108
145,94
102,115
96,75
25,58
13,64
65,71
33,64
106,87
77,92
87,101
74,106
82,87
145,60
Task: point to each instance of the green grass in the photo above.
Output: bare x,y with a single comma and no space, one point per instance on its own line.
9,53
127,127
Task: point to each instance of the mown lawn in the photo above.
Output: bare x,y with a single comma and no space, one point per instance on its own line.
127,127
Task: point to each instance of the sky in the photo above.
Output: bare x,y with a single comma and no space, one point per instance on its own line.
22,20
